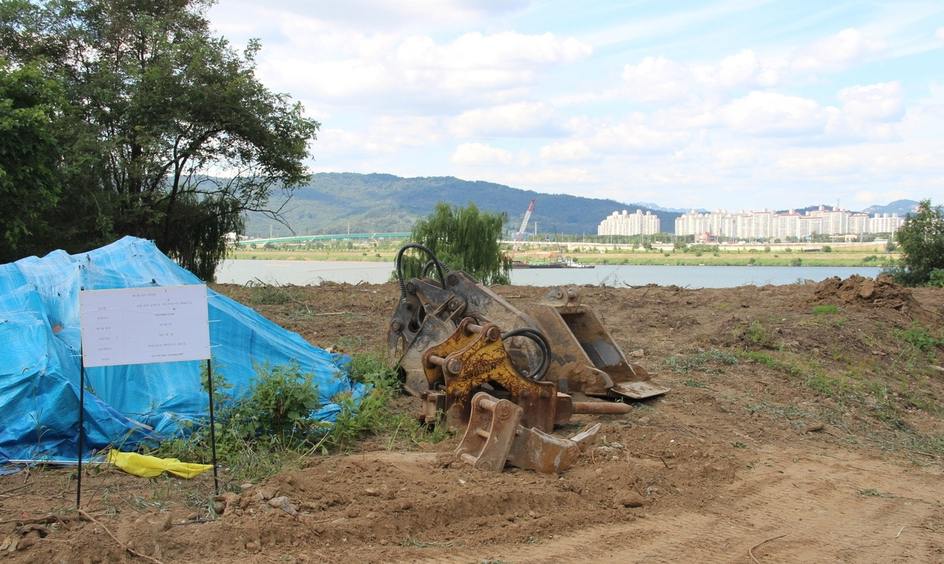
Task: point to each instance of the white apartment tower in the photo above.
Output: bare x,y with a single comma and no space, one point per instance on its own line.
625,223
770,225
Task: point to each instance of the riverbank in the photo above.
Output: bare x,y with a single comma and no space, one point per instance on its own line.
613,257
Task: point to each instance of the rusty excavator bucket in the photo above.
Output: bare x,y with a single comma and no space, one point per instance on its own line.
474,359
495,437
585,358
578,356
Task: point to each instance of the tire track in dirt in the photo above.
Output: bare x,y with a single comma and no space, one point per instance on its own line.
826,506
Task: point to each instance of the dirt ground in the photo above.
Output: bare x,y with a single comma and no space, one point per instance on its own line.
805,424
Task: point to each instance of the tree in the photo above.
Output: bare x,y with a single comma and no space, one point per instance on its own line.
921,239
170,134
464,239
30,176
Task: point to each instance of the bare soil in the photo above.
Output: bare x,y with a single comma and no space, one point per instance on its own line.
805,424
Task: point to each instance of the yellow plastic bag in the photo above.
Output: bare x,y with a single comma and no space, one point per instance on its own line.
151,466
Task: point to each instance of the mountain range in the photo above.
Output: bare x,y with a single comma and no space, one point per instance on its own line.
378,203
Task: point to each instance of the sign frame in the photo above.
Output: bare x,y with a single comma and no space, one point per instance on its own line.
172,325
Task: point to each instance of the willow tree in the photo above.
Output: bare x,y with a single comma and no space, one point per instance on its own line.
169,135
464,239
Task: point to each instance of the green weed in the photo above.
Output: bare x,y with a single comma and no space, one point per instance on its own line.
270,428
920,338
757,335
825,309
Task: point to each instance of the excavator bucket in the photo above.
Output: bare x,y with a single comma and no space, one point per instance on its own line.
585,357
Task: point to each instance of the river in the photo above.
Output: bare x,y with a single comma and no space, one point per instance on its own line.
315,272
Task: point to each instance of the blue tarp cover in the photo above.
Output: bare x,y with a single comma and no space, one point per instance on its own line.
124,405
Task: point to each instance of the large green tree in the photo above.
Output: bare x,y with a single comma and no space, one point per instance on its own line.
921,239
30,175
463,239
169,134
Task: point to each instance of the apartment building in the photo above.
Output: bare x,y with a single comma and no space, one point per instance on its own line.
625,223
771,225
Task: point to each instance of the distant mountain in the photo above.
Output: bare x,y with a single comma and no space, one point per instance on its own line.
375,203
901,207
657,207
809,209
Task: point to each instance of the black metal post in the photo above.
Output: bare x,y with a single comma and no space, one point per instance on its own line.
78,489
216,481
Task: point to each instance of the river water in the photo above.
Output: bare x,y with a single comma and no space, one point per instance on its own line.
315,272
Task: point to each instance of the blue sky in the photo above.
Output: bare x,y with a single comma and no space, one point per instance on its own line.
736,104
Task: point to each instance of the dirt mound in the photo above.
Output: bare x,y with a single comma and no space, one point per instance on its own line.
784,419
881,291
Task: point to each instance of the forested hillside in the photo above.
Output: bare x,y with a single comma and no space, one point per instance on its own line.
336,202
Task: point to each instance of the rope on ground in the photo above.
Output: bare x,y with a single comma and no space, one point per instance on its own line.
114,538
750,551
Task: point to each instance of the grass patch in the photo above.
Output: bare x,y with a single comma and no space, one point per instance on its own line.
756,335
710,361
270,428
920,338
825,309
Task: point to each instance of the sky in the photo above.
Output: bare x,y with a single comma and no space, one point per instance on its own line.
733,104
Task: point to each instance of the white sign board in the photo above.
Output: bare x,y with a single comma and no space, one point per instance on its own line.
144,325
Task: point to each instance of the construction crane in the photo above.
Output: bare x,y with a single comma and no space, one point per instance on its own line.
519,236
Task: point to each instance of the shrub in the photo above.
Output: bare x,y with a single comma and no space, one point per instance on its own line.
271,426
922,244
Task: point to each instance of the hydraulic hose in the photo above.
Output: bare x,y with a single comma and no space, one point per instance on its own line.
440,268
541,341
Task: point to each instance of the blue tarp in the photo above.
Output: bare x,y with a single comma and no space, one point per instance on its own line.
124,405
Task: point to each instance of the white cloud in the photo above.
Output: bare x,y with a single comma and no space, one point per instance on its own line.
835,52
769,113
735,157
459,87
576,150
660,79
519,119
569,177
414,71
476,154
873,102
392,15
817,163
383,135
657,79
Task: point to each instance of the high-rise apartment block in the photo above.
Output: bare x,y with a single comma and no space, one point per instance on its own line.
771,225
625,223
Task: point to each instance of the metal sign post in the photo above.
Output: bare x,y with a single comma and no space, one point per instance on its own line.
78,489
216,481
148,325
